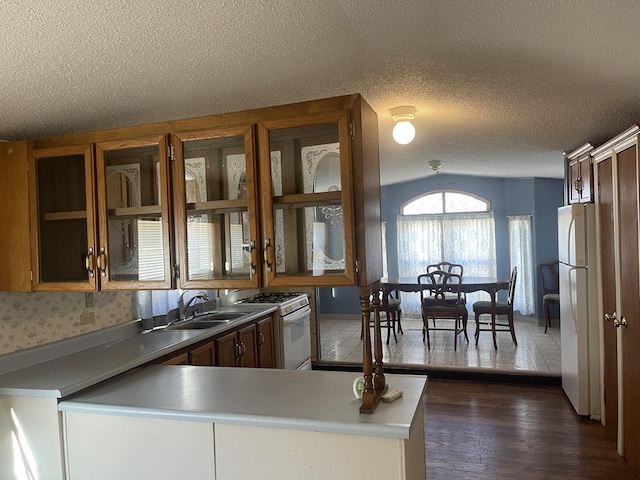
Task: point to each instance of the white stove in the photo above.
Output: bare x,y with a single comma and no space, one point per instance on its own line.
287,302
293,329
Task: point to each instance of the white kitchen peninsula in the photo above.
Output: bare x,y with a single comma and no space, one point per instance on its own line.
227,423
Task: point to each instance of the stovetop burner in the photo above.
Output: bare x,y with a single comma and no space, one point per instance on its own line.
271,297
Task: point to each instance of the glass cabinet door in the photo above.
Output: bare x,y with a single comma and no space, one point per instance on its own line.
133,205
307,201
62,218
216,225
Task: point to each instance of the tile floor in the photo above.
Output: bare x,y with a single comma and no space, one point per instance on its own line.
536,353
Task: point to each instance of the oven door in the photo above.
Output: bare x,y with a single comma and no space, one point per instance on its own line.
296,338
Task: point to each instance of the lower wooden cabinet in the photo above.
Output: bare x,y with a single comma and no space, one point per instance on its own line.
204,355
266,344
238,348
250,345
181,359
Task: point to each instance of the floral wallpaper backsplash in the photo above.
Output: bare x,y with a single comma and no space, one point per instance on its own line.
31,319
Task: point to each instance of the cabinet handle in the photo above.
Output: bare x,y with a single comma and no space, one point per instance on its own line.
578,185
620,323
90,262
252,261
267,244
608,317
102,262
261,338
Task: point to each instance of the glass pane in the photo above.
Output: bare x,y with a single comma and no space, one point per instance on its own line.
218,233
62,208
460,202
427,204
133,205
309,233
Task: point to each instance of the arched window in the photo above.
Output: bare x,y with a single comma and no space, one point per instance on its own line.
447,226
445,201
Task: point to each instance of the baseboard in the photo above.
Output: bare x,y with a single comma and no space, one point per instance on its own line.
452,373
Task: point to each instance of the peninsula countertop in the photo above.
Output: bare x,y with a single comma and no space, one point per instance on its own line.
298,400
66,372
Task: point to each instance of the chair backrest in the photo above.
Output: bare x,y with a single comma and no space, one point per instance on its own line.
549,276
512,286
446,267
436,284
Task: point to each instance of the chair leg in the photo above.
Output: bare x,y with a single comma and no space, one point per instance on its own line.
465,319
546,316
391,325
493,331
477,334
512,328
399,324
425,331
456,330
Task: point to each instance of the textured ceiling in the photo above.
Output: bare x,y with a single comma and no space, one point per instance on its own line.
500,88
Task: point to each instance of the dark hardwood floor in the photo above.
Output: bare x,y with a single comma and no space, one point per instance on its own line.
478,430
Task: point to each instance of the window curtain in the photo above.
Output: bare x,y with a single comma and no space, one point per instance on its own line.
467,239
385,268
521,256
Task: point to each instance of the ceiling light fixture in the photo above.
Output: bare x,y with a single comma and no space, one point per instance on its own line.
404,132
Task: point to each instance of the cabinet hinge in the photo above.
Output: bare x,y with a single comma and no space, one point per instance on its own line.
176,271
352,129
357,265
171,153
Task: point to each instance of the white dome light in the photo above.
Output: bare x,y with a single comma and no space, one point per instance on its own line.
404,132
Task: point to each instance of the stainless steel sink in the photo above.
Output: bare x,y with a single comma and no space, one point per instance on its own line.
194,325
207,320
216,316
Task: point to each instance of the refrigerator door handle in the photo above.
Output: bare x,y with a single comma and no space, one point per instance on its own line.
570,227
571,303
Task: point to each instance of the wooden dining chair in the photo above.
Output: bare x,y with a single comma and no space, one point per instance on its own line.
551,295
390,306
497,308
437,302
450,268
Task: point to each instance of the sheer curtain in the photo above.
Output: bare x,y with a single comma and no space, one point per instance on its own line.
466,238
521,256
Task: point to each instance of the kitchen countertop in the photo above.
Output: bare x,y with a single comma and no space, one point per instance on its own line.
299,400
76,370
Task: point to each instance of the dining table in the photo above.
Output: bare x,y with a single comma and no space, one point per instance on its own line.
491,285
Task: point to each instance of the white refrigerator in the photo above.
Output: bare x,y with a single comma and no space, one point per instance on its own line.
579,320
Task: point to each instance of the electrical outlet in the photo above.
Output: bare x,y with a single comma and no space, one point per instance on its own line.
87,318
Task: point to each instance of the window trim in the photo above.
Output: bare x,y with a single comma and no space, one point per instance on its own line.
444,204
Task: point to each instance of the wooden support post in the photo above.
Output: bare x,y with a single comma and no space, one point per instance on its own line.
374,382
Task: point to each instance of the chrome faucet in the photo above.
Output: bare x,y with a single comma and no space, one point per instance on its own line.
182,307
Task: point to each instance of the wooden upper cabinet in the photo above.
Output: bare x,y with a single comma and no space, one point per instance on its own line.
135,250
63,221
285,196
104,222
315,190
216,208
15,253
580,175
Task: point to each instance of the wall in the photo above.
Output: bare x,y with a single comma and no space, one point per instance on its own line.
539,197
31,319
